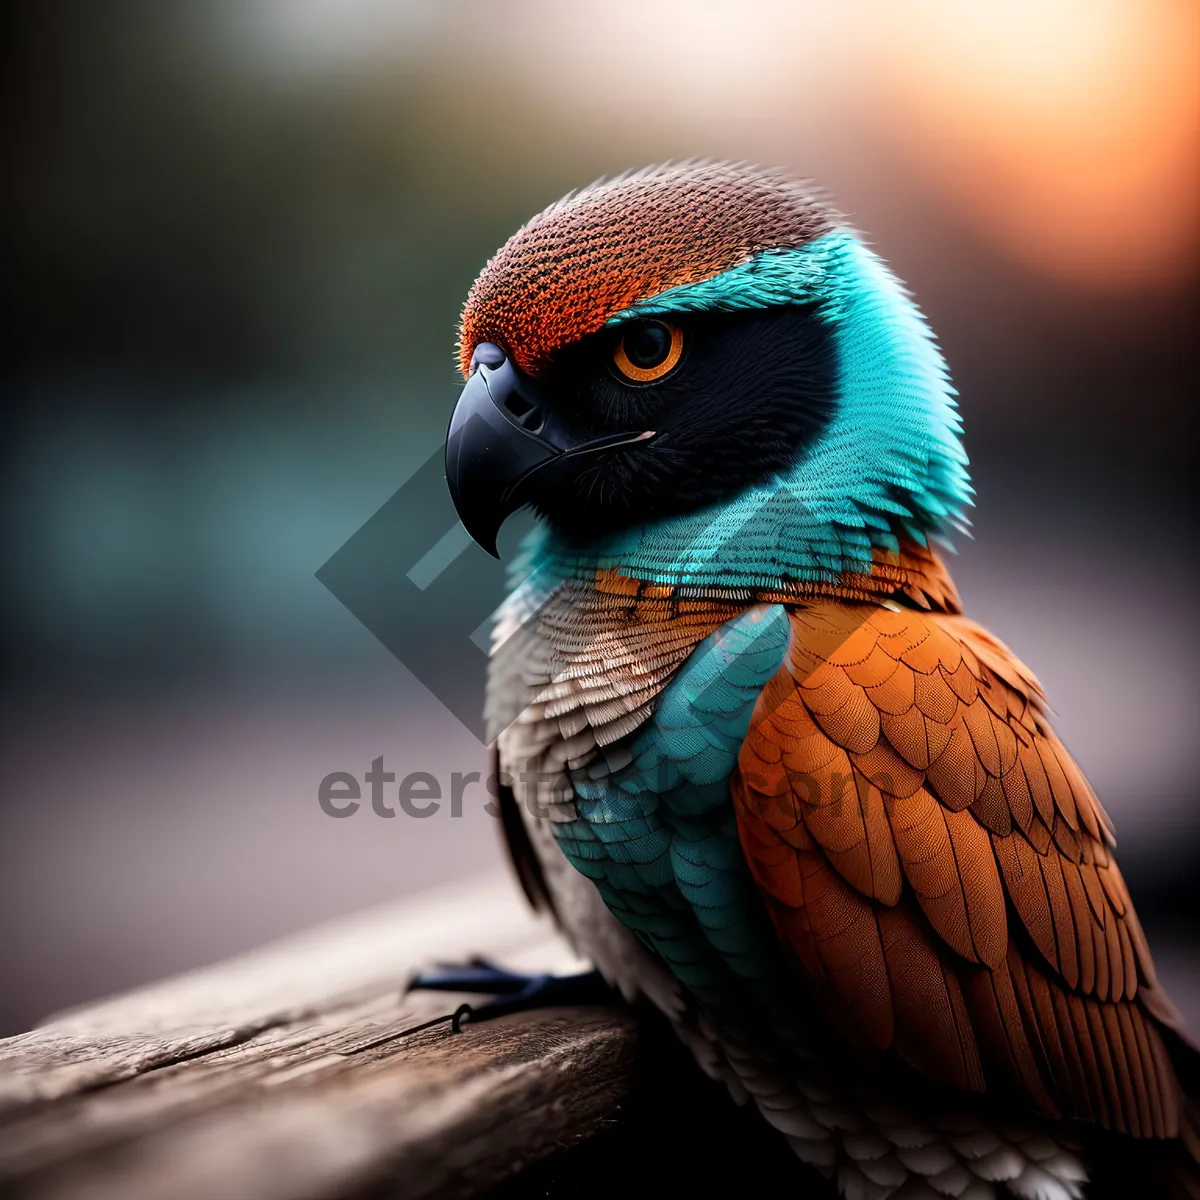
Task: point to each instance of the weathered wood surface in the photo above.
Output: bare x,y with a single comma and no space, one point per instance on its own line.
296,1072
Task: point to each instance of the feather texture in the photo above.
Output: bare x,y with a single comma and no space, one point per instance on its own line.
766,774
886,794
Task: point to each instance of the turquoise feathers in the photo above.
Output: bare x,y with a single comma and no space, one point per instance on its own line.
659,838
890,465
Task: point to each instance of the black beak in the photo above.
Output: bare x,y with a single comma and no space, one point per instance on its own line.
502,435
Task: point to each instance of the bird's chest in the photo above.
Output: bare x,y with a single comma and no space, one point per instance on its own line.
575,675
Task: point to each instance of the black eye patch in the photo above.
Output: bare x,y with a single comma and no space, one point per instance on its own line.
749,392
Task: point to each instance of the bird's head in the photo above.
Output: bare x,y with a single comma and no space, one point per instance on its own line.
699,375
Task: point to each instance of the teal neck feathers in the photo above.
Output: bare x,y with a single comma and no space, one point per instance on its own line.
890,465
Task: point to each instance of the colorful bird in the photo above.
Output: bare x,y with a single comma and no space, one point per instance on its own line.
764,770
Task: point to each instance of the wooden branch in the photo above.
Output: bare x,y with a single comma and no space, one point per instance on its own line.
297,1072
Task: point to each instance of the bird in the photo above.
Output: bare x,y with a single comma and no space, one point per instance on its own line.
755,760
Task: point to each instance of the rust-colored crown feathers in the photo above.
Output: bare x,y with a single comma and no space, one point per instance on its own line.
601,249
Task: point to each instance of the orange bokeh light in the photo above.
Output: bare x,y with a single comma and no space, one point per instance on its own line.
1069,131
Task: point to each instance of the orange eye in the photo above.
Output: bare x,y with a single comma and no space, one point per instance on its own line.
648,350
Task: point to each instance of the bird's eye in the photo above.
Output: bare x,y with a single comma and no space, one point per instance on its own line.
648,350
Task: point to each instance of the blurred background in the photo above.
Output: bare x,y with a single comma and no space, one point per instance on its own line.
236,235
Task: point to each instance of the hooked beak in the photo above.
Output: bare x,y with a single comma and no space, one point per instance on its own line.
503,436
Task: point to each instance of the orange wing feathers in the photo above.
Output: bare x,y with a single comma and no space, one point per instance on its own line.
944,872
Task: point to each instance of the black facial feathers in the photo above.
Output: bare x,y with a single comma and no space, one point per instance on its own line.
749,393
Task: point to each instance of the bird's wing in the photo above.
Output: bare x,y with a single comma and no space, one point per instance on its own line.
943,871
